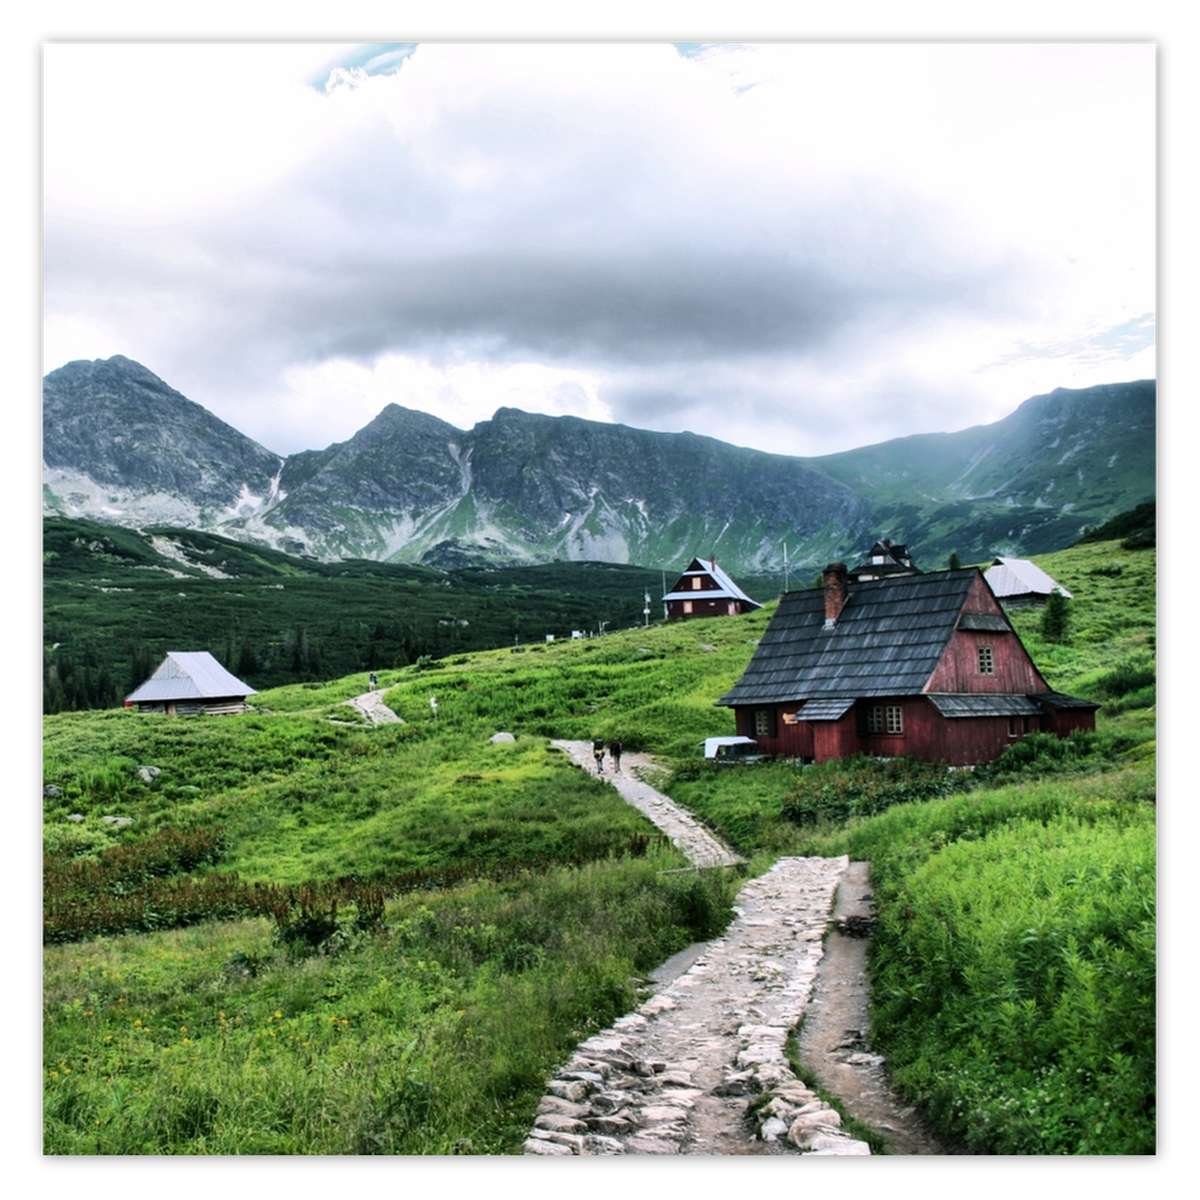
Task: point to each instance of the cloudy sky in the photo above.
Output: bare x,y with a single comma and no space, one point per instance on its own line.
797,247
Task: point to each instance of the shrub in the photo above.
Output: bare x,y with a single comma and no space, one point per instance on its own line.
1056,618
1013,969
861,786
1126,676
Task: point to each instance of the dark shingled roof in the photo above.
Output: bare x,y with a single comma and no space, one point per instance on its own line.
988,622
886,642
1061,700
824,710
983,704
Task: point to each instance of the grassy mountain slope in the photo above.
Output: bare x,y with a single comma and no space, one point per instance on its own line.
433,1029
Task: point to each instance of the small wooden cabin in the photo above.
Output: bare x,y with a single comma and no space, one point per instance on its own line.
190,683
1017,581
883,559
706,590
924,665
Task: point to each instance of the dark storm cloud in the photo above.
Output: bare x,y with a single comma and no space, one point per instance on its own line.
624,212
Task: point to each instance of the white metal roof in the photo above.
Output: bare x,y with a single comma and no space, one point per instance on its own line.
726,588
190,675
1018,577
711,744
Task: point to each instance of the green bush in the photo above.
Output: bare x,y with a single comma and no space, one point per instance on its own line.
862,786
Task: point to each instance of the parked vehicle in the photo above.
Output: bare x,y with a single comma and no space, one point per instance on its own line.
732,751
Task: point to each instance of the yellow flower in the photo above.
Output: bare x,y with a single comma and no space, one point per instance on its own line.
278,1015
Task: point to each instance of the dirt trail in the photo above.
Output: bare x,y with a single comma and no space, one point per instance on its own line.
695,842
371,705
834,1039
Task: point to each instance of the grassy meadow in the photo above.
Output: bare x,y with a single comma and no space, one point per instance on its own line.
479,908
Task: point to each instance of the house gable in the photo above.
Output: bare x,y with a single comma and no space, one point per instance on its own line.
984,637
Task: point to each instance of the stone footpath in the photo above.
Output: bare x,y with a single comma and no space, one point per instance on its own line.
695,842
371,705
701,1067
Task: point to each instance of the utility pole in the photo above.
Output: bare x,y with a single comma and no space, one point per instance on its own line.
646,608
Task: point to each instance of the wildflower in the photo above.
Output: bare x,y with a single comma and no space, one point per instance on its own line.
277,1014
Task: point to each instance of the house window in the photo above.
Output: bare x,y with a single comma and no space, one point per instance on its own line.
697,583
1016,727
764,722
987,661
687,606
885,718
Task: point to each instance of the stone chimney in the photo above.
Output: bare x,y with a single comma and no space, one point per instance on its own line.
833,579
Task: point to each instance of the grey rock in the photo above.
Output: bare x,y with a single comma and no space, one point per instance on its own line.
116,822
644,1144
544,1147
598,1144
569,1089
662,1114
501,738
51,791
611,1125
772,1129
76,817
561,1107
557,1123
148,774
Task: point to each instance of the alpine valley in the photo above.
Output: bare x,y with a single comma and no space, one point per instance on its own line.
122,447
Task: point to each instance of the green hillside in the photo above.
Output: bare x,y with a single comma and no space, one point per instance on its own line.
115,601
351,939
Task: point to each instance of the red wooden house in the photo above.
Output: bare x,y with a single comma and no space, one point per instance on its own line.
705,590
920,665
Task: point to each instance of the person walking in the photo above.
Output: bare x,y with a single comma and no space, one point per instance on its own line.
598,754
614,752
372,681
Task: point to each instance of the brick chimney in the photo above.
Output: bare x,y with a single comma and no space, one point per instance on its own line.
833,578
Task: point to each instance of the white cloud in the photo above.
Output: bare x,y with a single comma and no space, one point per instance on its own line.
801,247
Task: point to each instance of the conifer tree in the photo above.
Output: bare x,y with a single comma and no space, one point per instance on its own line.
955,563
1056,618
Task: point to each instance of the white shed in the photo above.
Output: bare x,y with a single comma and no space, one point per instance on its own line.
1018,579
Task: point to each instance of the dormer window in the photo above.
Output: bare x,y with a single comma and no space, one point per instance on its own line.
878,558
987,660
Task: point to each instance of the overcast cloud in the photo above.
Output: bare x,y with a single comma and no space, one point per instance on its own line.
797,247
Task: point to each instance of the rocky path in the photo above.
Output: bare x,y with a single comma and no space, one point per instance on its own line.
371,705
695,842
701,1066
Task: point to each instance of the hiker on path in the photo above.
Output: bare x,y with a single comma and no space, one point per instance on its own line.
614,750
598,754
372,681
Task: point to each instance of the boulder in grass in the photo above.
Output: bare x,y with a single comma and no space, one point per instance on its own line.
76,817
51,791
116,822
498,739
148,774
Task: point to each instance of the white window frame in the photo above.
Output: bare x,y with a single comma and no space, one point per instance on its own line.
985,659
885,720
697,583
687,606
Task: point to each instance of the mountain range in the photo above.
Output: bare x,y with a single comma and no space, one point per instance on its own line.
120,445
